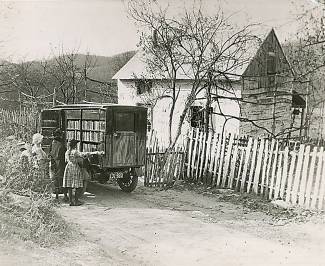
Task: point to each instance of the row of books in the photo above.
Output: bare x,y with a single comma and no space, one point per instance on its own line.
73,124
93,136
92,147
93,125
73,134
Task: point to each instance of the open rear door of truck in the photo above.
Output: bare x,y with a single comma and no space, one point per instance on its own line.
50,120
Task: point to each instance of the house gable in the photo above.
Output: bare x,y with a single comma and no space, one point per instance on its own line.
258,66
266,91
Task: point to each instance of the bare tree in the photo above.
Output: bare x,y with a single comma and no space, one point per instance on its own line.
202,47
159,41
307,54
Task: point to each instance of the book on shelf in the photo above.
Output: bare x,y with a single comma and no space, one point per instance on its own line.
92,147
93,125
73,134
93,136
73,124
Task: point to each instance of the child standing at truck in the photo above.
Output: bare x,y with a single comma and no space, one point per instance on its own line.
73,175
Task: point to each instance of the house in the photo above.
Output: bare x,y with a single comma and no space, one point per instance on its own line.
264,85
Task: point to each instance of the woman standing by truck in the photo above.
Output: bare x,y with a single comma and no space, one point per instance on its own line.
57,163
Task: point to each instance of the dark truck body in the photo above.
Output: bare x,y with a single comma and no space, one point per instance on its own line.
119,131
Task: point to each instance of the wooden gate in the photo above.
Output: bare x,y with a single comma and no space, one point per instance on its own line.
161,168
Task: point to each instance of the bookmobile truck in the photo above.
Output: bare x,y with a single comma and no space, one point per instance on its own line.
119,131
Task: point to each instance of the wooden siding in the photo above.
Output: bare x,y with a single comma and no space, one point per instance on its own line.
266,95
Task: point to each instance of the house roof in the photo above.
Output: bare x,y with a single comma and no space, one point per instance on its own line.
136,67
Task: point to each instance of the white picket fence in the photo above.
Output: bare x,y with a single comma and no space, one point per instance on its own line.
265,167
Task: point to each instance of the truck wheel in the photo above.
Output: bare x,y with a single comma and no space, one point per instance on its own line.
129,181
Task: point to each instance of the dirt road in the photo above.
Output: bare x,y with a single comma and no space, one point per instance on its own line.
152,227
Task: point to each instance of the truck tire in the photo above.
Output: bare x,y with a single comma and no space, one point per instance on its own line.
129,181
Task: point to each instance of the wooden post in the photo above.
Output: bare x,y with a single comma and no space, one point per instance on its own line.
227,161
274,107
290,177
265,160
190,154
54,97
20,104
221,160
307,111
310,177
85,81
277,183
258,167
252,165
213,154
239,168
248,152
274,168
285,172
318,178
268,169
322,185
296,182
233,165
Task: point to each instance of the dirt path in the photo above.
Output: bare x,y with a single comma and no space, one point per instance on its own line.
152,227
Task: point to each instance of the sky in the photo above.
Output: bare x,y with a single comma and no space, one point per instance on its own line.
39,29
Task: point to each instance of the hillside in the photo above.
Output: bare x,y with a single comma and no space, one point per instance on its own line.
39,78
102,68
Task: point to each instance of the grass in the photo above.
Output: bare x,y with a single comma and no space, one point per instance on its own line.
253,203
27,209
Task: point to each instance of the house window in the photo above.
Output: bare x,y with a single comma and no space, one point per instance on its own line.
271,70
271,65
143,86
198,116
271,81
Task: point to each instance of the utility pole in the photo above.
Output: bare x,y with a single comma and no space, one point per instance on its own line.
73,86
208,103
85,82
274,106
19,95
54,97
307,110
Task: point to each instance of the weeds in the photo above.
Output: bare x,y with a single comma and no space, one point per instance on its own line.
26,204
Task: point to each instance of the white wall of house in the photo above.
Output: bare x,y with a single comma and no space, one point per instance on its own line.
127,95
